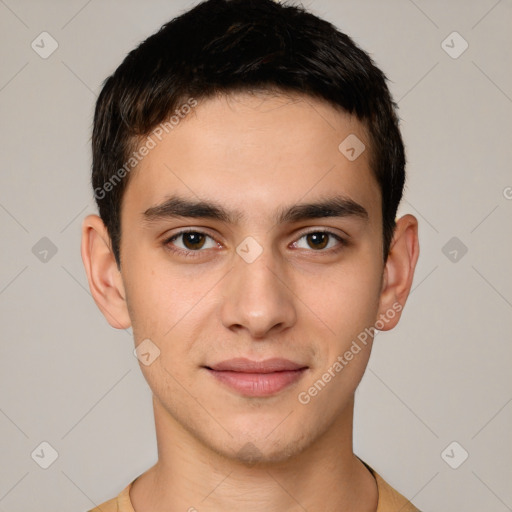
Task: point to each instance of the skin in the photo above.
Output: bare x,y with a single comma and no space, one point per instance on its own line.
255,153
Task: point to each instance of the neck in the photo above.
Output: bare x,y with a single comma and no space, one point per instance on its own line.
325,476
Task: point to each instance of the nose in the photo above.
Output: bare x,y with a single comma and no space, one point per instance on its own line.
258,298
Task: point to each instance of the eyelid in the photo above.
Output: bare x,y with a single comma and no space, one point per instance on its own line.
342,239
167,242
336,232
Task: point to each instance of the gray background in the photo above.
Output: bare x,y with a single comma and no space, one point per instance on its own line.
443,375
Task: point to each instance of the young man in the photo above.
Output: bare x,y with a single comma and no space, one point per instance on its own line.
248,165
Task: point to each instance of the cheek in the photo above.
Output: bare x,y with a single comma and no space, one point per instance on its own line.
153,285
167,304
347,306
153,297
161,312
346,299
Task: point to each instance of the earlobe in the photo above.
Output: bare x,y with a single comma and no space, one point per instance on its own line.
399,271
105,280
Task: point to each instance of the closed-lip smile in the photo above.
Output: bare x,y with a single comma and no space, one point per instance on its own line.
257,378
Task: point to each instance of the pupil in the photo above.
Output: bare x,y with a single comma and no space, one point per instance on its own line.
192,240
318,237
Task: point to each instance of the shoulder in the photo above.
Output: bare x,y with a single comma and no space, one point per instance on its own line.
121,503
108,506
390,500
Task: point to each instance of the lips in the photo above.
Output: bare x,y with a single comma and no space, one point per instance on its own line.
243,365
257,378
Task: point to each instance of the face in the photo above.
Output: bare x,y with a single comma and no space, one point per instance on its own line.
257,274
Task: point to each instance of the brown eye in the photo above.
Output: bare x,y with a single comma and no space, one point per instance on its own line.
321,241
193,240
317,240
190,242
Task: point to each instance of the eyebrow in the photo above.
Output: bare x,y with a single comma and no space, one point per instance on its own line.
175,207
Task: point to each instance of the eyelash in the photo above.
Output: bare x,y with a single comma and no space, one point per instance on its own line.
194,254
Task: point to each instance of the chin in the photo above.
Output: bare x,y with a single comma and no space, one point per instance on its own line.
264,451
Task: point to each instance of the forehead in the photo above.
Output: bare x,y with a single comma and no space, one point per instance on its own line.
254,152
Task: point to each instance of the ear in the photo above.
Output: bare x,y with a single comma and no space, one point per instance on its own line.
398,272
105,280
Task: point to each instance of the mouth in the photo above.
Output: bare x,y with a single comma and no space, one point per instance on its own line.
257,378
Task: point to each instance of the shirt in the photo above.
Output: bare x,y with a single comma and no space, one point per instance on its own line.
389,500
